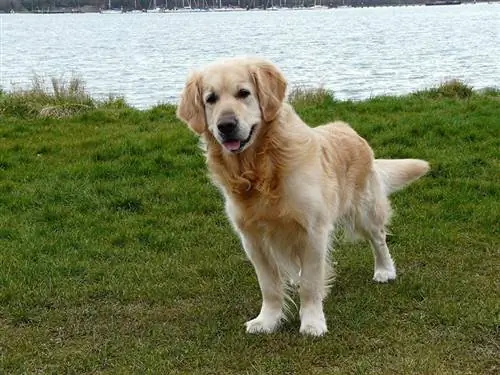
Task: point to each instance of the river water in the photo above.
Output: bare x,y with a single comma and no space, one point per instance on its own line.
356,52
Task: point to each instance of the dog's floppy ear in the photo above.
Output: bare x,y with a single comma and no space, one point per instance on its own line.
271,88
191,109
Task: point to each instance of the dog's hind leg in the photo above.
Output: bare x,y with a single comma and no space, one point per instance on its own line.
371,221
271,286
384,265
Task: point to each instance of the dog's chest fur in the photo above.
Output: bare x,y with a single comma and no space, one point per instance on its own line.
274,218
263,196
255,195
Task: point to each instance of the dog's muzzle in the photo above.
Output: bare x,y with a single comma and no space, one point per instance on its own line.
228,126
229,133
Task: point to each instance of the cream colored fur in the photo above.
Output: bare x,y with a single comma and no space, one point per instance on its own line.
289,186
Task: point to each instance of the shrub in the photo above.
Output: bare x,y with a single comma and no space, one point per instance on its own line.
58,99
302,96
449,89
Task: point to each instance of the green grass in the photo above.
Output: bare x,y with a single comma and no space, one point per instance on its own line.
116,256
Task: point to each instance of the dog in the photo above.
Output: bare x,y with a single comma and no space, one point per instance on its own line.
288,186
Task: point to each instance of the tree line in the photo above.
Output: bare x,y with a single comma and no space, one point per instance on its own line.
89,5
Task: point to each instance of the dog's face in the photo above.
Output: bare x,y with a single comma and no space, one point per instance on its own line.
231,104
232,100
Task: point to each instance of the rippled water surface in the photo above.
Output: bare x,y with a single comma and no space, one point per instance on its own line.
357,53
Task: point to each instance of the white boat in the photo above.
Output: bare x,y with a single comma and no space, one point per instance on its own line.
110,11
156,10
318,5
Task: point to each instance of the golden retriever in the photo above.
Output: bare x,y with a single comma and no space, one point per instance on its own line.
287,186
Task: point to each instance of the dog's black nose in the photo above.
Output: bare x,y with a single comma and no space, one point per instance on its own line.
227,124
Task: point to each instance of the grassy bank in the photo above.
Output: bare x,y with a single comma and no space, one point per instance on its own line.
117,258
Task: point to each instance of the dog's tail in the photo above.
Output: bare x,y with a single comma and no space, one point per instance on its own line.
397,173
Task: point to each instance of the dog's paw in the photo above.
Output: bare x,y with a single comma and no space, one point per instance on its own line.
312,321
383,275
263,324
313,327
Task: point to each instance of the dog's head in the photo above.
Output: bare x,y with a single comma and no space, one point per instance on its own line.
232,100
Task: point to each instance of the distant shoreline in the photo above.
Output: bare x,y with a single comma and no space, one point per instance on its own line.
330,6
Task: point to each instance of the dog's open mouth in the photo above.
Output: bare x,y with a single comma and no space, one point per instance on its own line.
235,145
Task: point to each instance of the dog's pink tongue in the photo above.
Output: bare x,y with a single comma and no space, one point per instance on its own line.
232,145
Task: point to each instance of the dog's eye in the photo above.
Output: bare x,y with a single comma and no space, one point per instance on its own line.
211,99
243,93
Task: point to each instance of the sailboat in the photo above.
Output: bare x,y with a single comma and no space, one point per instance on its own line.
137,9
155,8
318,5
272,7
110,10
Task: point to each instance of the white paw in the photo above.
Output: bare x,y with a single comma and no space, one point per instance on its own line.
312,321
383,275
312,327
264,323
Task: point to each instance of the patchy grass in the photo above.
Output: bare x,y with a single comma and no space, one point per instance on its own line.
303,96
57,99
449,89
117,257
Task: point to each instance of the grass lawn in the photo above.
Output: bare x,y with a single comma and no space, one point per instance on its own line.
116,256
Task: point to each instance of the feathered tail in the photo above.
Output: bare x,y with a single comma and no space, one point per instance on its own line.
397,173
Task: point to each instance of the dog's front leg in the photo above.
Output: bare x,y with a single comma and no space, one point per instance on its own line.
312,288
270,283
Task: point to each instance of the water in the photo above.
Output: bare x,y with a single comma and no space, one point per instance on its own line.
357,53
